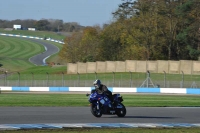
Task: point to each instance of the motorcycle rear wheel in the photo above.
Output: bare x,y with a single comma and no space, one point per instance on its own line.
121,112
94,111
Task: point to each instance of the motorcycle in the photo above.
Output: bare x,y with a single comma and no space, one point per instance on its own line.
100,104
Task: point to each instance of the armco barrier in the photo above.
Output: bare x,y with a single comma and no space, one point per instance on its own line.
112,89
48,39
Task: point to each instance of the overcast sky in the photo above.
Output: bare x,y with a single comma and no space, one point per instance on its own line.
84,12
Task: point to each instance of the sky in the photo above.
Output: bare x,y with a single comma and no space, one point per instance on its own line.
84,12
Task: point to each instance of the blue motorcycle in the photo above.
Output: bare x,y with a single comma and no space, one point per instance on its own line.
100,104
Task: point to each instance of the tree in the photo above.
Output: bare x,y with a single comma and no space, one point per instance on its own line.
89,44
125,10
70,50
111,47
81,46
189,29
167,29
42,25
55,25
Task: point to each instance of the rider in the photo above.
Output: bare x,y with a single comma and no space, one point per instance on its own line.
101,88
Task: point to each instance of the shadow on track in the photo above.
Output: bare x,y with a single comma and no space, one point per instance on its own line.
143,117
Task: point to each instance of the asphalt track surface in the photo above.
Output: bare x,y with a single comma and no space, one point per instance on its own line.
40,58
31,115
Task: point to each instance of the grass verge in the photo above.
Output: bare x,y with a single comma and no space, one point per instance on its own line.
15,53
130,100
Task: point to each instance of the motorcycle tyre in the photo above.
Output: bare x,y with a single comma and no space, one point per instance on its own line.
94,112
118,111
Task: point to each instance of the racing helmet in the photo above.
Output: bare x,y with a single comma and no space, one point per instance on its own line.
97,83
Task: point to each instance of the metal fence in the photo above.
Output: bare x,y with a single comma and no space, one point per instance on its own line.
110,79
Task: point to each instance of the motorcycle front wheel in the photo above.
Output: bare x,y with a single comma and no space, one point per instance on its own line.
121,112
94,111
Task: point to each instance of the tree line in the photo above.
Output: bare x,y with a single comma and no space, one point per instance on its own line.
141,30
54,25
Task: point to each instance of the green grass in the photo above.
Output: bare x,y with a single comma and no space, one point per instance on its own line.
44,70
15,53
52,99
41,34
110,130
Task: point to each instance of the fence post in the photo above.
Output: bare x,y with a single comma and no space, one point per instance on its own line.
148,76
32,79
113,79
62,79
78,78
130,78
95,75
182,79
5,79
18,78
47,78
164,79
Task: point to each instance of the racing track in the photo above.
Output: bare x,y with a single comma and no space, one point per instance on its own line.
33,115
40,58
